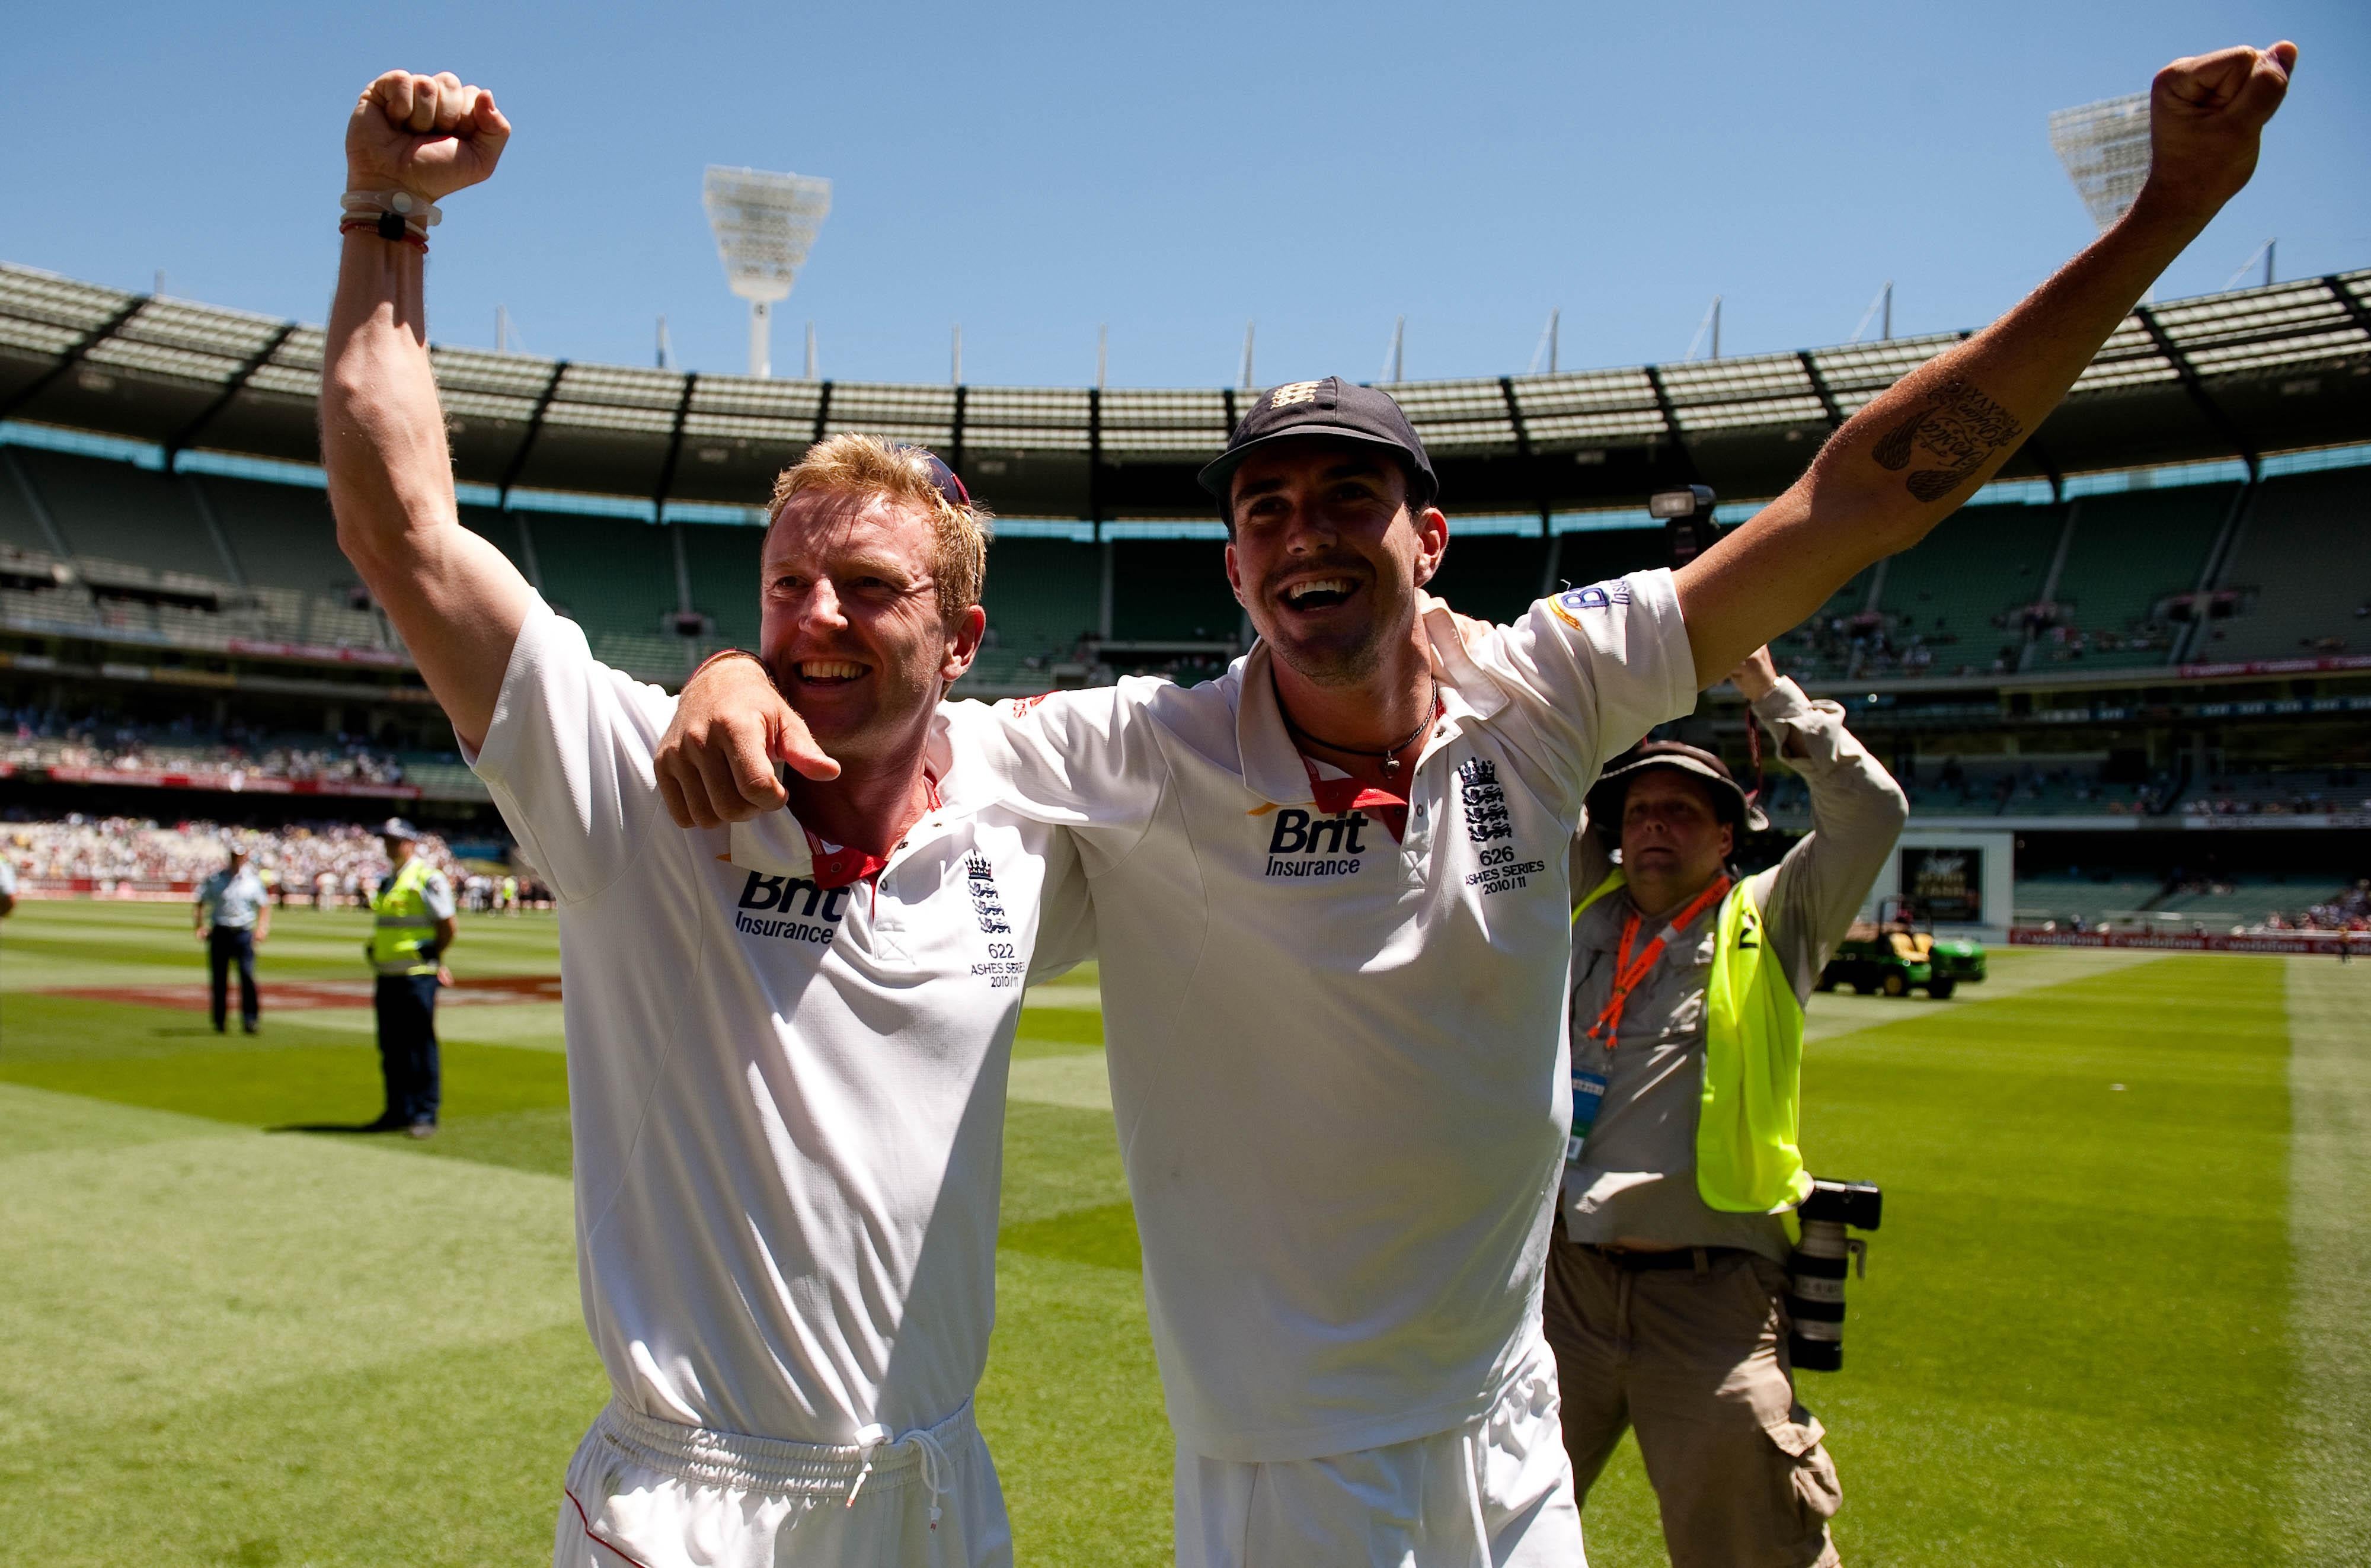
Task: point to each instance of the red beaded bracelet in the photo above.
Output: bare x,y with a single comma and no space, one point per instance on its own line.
372,226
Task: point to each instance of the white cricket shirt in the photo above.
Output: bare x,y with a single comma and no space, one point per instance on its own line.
787,1101
1337,1059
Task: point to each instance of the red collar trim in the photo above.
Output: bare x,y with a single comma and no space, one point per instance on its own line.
836,866
1334,796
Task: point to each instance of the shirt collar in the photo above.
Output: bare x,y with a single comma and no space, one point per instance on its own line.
777,843
1272,766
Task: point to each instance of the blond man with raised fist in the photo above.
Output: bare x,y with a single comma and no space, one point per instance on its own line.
787,1039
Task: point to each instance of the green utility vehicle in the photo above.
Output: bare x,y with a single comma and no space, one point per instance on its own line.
1897,954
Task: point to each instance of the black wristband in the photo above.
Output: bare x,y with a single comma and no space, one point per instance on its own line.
391,227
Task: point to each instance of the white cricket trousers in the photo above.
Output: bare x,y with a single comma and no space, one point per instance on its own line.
649,1493
1496,1493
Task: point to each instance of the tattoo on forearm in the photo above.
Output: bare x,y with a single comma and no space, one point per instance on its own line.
1957,428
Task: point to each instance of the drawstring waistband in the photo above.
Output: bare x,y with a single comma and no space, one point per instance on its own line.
707,1458
1475,1441
875,1440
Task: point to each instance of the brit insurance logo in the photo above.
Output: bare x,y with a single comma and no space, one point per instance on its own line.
1003,968
1596,597
1303,843
791,909
1484,801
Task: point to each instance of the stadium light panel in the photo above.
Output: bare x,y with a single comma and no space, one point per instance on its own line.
2105,146
765,224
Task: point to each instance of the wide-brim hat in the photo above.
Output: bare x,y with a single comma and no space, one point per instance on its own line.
1730,802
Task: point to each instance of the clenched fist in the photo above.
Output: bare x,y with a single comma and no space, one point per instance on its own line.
429,136
2206,118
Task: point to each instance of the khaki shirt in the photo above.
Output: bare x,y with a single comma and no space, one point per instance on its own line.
1635,1176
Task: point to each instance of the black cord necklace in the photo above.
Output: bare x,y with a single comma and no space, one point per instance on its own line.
1389,755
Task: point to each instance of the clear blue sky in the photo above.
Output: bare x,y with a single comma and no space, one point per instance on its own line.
1035,172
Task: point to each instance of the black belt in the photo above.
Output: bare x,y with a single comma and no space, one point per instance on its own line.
1677,1257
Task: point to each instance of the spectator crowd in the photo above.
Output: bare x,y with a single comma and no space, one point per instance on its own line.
329,863
33,737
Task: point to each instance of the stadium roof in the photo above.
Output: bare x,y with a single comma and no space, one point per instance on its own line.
2241,375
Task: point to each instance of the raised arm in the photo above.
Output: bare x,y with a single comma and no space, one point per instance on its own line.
1907,460
458,602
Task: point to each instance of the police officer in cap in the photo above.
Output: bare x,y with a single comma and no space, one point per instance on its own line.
411,929
1666,1275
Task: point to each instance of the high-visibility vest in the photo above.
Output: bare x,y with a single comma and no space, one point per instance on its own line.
1748,1117
402,925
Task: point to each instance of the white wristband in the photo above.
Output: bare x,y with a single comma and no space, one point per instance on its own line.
415,210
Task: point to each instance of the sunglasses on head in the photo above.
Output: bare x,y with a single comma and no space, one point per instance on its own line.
944,478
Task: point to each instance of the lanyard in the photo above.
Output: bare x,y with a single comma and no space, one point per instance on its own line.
1629,972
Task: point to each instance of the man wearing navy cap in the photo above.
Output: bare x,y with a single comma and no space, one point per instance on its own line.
411,929
1332,905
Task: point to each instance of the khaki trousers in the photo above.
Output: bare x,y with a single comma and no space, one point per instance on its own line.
1694,1360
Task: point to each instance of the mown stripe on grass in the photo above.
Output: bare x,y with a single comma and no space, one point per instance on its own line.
1075,1078
2330,1231
1071,1410
450,1455
1103,1236
145,1276
2070,1346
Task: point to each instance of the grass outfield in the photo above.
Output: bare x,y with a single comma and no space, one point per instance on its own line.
2118,1312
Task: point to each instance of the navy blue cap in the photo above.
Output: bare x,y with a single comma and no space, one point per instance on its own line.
1343,410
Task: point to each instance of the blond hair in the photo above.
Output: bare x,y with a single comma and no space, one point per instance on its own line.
868,466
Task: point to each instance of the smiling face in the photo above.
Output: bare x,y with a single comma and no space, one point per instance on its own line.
1327,554
852,630
1673,837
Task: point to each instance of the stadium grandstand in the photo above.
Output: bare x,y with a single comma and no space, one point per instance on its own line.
2145,649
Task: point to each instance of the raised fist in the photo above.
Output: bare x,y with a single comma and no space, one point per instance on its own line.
429,136
2206,117
1755,677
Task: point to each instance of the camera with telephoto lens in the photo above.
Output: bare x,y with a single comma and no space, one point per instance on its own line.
1815,1272
1688,526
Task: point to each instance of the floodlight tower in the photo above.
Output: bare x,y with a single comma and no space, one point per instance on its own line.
765,224
2105,147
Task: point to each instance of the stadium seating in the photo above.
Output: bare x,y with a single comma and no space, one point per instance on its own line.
200,559
1041,595
1961,590
1173,589
113,511
1593,556
1493,577
280,535
2252,901
2127,554
1841,636
615,577
2288,793
2068,896
504,530
2304,561
721,561
19,529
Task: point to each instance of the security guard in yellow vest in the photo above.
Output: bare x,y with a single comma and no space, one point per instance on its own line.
411,929
1666,1278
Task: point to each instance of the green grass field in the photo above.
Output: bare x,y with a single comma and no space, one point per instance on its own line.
2118,1312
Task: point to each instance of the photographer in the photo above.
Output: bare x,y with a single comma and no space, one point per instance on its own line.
1666,1275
